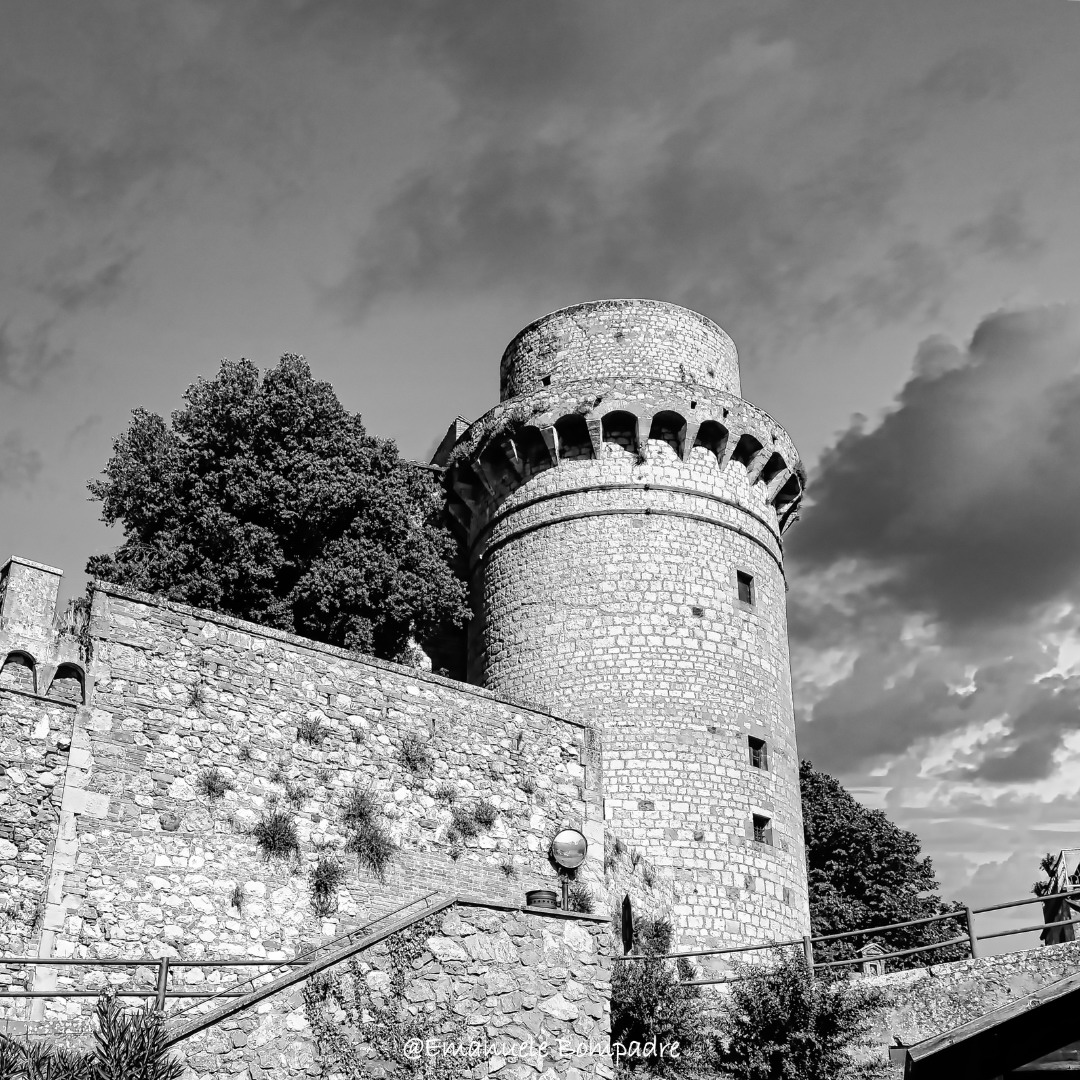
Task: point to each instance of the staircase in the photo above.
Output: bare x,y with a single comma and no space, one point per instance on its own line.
188,1022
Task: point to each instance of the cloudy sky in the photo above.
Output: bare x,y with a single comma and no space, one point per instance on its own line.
876,200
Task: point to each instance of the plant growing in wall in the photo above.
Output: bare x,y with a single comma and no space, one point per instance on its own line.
309,729
367,835
415,755
295,793
212,783
324,880
485,814
385,1026
236,898
275,833
446,793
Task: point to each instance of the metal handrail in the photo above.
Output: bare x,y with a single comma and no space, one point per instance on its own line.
310,955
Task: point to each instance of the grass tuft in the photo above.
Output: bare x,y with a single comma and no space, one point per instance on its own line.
276,835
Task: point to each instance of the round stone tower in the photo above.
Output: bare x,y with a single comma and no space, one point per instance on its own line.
624,509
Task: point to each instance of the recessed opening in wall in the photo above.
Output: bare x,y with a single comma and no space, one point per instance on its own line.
745,584
745,450
762,829
697,611
546,380
17,671
759,752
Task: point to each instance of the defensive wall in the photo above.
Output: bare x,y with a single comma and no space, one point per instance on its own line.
110,848
622,509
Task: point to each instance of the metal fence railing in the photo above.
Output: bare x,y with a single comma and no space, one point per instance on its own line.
964,915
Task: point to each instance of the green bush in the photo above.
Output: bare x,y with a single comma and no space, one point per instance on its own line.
309,729
415,754
463,822
581,898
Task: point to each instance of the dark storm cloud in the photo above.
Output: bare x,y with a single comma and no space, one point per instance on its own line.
894,698
19,464
1027,752
872,713
967,492
27,358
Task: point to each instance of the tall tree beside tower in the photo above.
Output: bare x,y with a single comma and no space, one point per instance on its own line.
266,499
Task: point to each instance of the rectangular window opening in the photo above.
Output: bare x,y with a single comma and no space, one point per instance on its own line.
759,752
546,380
762,829
697,611
746,587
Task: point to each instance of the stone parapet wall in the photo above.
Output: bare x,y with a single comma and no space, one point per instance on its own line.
928,1001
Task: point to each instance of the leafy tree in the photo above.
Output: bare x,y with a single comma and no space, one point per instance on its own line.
864,871
651,1008
264,498
781,1023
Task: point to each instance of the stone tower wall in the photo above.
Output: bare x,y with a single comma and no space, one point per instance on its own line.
608,519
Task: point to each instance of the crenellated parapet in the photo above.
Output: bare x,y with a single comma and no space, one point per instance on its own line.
554,427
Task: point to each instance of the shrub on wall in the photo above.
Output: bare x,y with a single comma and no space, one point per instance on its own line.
276,835
415,754
324,880
367,836
213,783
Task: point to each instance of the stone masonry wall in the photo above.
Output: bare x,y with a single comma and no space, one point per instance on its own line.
34,740
153,866
486,977
928,1001
620,339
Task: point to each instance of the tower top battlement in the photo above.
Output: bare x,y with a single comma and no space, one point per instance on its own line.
623,339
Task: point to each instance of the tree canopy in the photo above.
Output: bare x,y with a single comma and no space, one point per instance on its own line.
264,498
865,871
